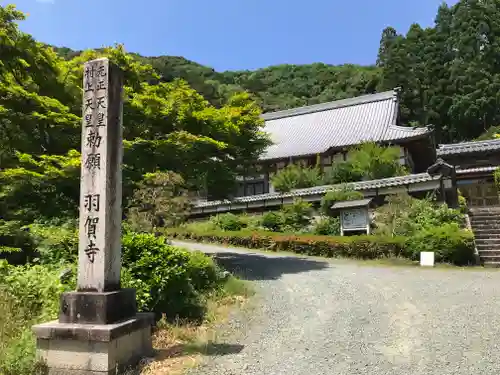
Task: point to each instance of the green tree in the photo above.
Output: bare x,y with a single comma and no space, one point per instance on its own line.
159,200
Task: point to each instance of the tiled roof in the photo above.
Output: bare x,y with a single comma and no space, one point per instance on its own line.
317,128
362,185
467,147
348,204
477,170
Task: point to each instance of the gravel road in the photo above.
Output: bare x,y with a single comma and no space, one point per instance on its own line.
319,317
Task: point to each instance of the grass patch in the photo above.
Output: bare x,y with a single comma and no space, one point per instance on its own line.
181,345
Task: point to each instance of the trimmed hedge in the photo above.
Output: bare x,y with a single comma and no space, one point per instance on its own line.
458,249
362,247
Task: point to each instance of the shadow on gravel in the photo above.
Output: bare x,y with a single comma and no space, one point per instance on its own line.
210,349
259,267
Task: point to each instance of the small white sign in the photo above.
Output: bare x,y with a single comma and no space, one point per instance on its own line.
427,259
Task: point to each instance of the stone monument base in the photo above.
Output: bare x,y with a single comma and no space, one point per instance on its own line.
84,349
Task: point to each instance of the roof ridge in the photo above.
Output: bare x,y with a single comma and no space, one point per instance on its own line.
468,143
409,128
363,99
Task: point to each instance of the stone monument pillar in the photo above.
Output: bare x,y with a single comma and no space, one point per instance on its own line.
99,330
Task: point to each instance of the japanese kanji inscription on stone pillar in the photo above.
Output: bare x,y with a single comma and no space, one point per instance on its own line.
99,255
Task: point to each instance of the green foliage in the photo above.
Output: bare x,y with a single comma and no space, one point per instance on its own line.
343,193
490,133
29,295
56,244
295,177
496,176
16,244
342,173
172,280
462,202
367,161
296,216
272,221
327,226
449,242
374,161
159,200
448,72
228,221
167,280
406,216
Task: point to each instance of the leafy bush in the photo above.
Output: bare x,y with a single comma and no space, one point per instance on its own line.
15,241
272,221
56,245
405,216
448,242
327,226
296,177
296,216
374,161
342,173
29,295
171,279
228,221
343,193
250,222
159,200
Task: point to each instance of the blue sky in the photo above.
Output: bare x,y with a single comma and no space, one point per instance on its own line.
225,34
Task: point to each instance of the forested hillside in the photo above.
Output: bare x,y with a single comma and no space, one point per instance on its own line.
449,74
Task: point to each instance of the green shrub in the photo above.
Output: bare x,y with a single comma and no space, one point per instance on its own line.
172,279
296,216
406,216
16,242
228,221
55,244
449,242
160,199
272,221
374,161
328,226
251,222
29,295
343,193
296,177
342,173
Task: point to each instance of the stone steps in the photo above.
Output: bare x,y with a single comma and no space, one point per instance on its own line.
489,253
485,224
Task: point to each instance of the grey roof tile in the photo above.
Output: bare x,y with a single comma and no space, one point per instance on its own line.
477,170
315,129
348,204
467,147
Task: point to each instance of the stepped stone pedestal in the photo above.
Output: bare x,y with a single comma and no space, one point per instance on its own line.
99,330
94,349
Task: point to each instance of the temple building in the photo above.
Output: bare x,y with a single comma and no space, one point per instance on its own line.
301,135
325,132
